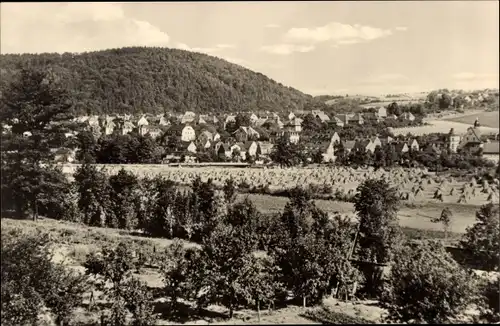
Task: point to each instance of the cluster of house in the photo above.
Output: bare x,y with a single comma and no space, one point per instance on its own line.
205,133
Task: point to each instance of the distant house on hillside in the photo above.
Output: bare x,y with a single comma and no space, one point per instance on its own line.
402,147
291,116
357,119
186,133
253,119
348,145
265,148
205,136
189,146
382,112
343,118
294,125
413,145
327,151
372,117
64,155
188,117
320,115
472,141
492,149
407,116
142,121
335,138
251,148
244,134
223,150
153,131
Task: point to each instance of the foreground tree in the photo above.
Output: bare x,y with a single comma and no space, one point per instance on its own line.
124,196
94,196
483,238
25,296
115,266
226,266
376,205
426,285
39,113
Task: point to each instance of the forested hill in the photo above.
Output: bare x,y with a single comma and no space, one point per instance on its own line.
152,80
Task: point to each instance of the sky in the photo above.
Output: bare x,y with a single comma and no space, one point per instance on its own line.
367,48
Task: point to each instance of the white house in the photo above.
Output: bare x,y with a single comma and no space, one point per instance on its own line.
188,116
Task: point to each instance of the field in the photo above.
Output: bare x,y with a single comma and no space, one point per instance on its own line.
414,185
443,126
486,119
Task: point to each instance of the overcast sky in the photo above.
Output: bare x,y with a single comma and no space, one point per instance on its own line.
316,47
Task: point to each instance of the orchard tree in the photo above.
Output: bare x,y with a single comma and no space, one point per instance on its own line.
426,285
115,266
483,238
180,270
226,262
38,110
31,281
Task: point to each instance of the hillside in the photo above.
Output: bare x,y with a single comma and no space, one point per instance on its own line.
154,80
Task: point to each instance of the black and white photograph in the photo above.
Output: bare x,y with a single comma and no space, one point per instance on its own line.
249,162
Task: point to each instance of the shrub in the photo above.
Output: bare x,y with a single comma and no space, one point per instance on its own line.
425,285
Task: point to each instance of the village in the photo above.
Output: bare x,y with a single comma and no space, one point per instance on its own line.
250,137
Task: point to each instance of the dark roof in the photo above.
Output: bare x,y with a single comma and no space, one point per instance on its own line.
491,148
349,144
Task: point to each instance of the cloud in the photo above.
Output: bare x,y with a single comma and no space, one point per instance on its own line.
286,49
402,28
337,33
474,76
272,26
207,50
214,51
73,27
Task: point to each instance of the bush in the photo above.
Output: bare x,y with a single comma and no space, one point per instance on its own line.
31,282
425,285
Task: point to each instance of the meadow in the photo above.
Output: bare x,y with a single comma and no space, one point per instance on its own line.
487,119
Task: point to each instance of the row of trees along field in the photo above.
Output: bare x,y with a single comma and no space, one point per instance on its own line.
244,258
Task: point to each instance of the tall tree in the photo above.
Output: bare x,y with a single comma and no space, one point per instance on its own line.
483,238
39,111
376,205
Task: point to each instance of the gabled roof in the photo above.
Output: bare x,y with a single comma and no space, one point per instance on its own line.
492,147
476,132
249,143
399,146
349,144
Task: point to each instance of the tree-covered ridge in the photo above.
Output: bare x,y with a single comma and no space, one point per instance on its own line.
145,79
